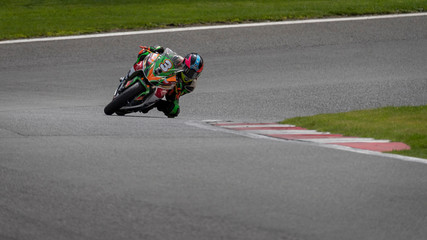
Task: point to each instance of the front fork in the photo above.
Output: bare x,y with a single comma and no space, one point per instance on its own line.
124,84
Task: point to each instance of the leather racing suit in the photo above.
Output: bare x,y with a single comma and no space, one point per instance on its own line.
170,106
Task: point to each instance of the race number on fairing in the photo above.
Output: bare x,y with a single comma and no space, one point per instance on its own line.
166,65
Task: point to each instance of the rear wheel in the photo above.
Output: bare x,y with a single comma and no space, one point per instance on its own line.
121,100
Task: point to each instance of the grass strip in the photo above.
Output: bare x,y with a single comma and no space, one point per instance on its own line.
407,124
37,18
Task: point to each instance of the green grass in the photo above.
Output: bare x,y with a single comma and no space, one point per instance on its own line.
35,18
399,124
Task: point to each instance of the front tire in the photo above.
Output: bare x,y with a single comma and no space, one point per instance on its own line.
122,99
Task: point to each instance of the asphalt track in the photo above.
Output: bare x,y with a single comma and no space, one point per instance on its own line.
67,171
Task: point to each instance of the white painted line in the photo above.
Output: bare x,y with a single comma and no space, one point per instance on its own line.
374,153
268,132
170,30
344,140
208,126
256,126
211,120
332,146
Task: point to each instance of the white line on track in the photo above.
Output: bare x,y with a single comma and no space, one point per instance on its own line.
205,125
266,132
256,126
170,30
346,140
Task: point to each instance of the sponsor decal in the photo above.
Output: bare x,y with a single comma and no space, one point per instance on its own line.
138,66
160,93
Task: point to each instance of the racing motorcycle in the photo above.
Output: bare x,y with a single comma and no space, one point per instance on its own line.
142,92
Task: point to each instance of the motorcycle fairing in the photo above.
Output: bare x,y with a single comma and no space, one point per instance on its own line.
159,72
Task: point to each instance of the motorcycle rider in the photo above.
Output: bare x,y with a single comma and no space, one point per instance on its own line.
192,64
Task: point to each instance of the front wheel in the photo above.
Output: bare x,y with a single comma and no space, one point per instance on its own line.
122,99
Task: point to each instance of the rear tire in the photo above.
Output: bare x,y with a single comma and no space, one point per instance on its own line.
121,100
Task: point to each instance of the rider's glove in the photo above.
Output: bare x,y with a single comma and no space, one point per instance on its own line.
147,50
157,49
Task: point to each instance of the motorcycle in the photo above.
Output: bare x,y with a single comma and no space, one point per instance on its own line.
141,93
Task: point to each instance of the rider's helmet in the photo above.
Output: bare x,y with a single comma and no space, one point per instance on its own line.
193,65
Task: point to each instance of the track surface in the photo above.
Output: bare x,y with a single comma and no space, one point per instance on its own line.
67,171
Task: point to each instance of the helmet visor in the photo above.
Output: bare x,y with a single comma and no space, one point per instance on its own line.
191,73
